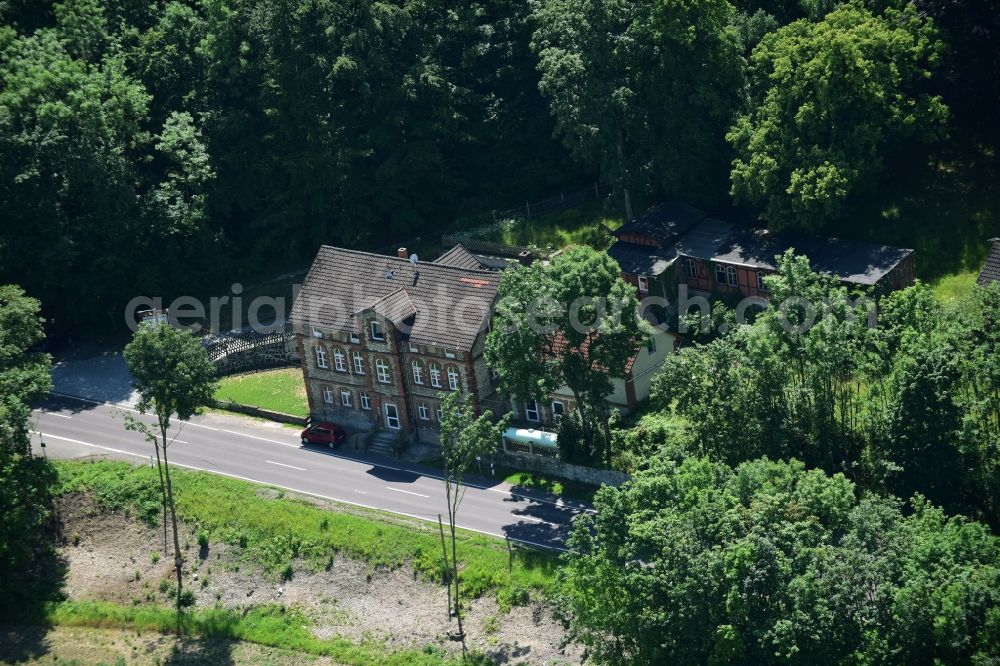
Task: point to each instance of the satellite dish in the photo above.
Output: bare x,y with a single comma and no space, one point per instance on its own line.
413,259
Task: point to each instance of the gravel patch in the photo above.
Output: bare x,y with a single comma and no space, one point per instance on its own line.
110,557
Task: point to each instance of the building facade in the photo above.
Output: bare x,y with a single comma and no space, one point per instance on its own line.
674,244
381,337
626,395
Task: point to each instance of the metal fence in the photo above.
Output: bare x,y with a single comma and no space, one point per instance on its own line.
250,351
560,202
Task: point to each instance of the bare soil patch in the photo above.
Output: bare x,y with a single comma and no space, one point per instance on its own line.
111,557
84,645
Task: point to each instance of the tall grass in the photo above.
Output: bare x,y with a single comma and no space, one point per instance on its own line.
271,625
953,286
275,530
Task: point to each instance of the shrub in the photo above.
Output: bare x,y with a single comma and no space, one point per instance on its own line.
202,539
187,598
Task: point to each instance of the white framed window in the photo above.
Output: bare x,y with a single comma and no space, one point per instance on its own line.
558,408
359,364
377,332
366,402
449,353
691,268
317,333
321,358
453,379
354,338
731,276
531,410
439,413
643,283
328,395
725,275
435,371
382,371
414,349
345,398
423,412
338,361
418,373
761,285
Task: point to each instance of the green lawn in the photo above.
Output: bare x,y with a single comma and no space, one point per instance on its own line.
587,225
950,287
273,529
549,484
279,390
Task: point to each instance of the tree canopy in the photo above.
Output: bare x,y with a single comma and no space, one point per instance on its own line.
573,322
829,100
908,405
25,481
619,78
695,562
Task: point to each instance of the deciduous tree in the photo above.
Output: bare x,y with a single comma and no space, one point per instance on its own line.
829,101
694,562
572,323
465,438
174,379
642,89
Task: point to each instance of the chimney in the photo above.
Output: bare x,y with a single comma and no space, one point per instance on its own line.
401,253
525,257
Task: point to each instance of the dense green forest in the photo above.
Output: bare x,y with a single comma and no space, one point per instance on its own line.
161,147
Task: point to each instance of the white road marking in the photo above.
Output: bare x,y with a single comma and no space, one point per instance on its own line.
62,416
558,502
93,446
301,469
311,494
535,520
408,492
263,439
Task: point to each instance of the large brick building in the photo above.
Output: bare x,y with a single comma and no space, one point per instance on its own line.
381,336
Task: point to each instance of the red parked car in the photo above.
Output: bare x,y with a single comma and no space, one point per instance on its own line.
322,432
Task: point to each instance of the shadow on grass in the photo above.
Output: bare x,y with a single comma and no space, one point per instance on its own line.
945,205
211,651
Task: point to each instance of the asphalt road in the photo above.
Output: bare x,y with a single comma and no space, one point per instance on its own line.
265,453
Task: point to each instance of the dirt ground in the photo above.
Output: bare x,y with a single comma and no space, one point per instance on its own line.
110,557
82,645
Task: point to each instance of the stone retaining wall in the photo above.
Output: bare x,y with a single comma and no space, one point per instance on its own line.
554,467
271,415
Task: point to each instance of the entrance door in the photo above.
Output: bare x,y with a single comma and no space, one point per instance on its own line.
391,416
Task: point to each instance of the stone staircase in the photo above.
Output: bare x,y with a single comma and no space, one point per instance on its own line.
383,443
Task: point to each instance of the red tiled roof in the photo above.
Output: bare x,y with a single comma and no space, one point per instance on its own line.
559,344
